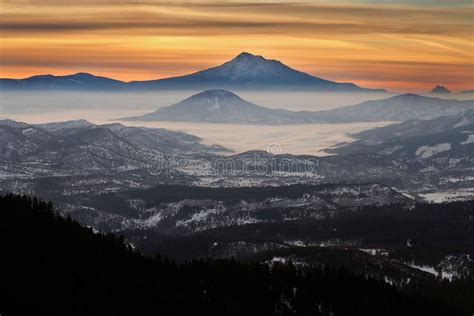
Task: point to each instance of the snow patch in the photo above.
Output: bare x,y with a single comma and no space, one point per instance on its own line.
281,260
390,150
431,270
426,269
198,217
469,140
450,195
429,151
457,179
375,251
464,122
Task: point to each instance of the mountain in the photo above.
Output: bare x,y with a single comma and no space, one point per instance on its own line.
440,89
221,106
467,91
80,147
398,108
443,141
78,81
246,71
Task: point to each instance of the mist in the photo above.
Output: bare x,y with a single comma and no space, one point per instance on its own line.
142,101
107,107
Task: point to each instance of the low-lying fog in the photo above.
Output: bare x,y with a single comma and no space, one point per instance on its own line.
103,107
144,101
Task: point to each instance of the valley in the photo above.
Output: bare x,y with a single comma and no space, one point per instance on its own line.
167,191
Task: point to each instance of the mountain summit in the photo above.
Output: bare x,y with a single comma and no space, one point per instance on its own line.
248,71
221,106
440,89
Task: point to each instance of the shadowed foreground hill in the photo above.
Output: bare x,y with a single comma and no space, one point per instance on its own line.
55,266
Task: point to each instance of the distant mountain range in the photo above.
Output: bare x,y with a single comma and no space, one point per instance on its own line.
246,71
82,147
79,81
221,106
398,108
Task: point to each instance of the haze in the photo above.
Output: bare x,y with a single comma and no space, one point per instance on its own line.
104,107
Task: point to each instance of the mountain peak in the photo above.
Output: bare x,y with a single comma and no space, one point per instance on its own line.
408,95
53,126
82,75
440,89
245,54
212,100
215,93
249,56
216,106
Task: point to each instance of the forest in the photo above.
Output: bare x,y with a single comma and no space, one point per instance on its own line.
55,266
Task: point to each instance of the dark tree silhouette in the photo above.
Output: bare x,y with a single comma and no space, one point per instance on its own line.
52,265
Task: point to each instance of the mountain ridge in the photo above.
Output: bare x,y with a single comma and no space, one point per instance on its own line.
221,106
245,71
447,136
76,81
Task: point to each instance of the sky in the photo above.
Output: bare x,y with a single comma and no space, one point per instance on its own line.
399,45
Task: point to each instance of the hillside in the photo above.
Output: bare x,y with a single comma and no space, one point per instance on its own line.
398,108
221,106
54,266
448,136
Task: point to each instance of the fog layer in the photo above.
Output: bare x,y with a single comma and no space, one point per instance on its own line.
104,107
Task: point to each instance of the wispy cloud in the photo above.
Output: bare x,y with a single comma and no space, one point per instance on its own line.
160,38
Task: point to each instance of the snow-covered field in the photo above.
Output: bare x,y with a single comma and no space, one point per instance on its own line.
449,195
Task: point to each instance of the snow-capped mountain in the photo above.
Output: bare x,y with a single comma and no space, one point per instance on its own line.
222,106
245,71
252,72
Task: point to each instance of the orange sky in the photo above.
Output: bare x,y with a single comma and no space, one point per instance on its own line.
402,47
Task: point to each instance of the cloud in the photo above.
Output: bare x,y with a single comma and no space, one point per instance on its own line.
242,18
371,40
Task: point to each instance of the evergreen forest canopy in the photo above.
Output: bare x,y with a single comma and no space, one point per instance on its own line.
55,266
